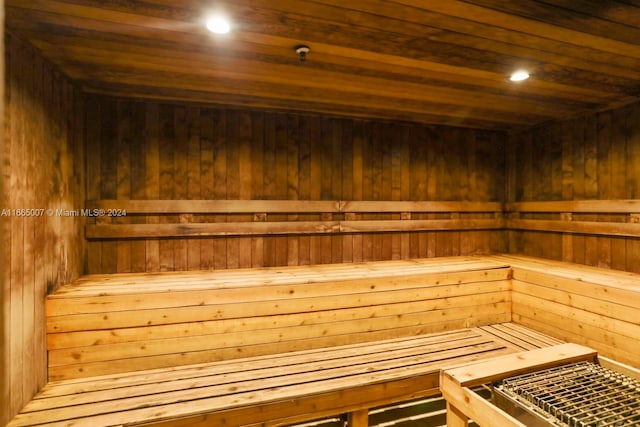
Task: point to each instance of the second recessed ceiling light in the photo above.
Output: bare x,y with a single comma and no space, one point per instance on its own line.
519,76
218,25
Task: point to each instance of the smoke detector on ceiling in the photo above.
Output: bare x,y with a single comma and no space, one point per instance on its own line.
302,51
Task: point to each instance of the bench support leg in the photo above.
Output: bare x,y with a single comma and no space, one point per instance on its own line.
455,418
359,418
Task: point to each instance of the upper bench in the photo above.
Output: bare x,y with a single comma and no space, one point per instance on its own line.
105,324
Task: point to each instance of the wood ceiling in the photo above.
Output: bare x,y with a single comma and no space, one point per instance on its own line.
432,61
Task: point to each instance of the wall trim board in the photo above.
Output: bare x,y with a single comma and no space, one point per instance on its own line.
264,210
576,206
147,207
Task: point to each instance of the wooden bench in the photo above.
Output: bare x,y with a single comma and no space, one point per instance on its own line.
277,346
592,306
106,324
277,389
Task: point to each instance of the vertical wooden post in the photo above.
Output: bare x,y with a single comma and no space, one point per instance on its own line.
359,418
4,308
455,418
567,239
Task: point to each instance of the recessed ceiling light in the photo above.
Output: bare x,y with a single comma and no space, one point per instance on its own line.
218,25
519,76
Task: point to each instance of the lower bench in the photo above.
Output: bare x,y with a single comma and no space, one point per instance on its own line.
276,389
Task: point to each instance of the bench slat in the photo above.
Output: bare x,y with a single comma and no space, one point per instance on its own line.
495,301
350,371
159,296
493,294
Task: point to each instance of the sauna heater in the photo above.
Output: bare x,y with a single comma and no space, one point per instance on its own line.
582,394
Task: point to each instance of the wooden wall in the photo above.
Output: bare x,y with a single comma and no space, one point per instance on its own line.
43,169
4,297
151,150
594,158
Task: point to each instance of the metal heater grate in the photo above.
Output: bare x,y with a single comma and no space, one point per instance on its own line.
578,395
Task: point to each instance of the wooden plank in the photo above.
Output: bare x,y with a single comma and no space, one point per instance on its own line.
194,178
591,180
98,285
280,183
413,225
148,207
257,179
464,401
342,319
138,181
163,361
123,175
326,125
198,305
293,227
279,388
315,174
220,143
350,354
232,149
180,178
632,127
193,327
570,332
567,183
359,418
322,359
293,182
207,136
515,364
618,166
152,178
347,156
93,161
604,144
5,254
579,175
600,228
420,206
455,417
145,354
381,353
166,148
582,206
336,180
603,328
108,175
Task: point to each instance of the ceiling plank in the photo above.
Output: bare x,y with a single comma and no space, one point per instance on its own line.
444,62
498,18
265,22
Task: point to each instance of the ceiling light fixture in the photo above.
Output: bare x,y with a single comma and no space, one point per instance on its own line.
519,76
218,25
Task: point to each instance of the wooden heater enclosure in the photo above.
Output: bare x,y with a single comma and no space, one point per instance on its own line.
137,143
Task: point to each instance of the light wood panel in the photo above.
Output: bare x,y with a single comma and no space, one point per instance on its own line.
43,172
445,63
315,165
263,210
574,190
592,306
106,324
5,390
280,389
